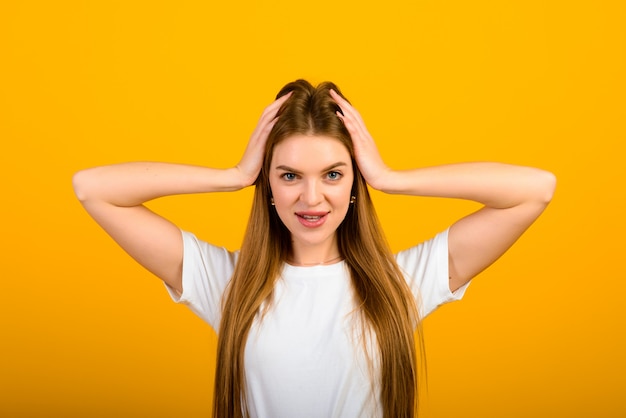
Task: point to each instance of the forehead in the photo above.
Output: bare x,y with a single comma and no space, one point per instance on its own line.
310,150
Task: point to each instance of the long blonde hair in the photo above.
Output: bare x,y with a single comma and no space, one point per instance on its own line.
383,298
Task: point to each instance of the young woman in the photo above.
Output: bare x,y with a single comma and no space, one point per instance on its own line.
315,316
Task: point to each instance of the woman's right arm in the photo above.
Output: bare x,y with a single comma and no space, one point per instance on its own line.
114,196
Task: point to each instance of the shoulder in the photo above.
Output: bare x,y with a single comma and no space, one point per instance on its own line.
195,250
207,269
426,270
419,257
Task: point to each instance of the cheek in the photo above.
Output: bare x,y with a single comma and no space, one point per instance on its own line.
283,195
342,197
283,202
275,190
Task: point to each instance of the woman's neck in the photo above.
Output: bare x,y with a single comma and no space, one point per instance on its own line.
314,255
320,263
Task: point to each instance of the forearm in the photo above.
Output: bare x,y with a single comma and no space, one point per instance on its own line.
492,184
131,184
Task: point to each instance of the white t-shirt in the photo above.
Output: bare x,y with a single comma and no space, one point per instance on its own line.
306,357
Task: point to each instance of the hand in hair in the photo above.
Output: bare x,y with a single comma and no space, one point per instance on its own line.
250,164
366,153
513,197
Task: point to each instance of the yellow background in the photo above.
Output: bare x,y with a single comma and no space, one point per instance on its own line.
85,332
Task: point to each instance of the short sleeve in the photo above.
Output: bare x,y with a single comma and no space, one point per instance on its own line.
426,270
207,270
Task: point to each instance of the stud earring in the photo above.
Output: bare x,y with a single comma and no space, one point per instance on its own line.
352,199
272,201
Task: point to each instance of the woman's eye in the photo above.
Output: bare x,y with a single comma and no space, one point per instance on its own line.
289,176
334,175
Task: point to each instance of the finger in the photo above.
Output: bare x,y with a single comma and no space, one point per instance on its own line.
269,116
346,111
337,97
262,131
343,104
273,108
354,125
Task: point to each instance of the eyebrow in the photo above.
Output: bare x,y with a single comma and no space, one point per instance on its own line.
293,170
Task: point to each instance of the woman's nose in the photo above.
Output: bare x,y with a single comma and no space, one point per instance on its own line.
311,194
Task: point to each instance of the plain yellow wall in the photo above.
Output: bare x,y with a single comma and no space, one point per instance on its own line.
85,332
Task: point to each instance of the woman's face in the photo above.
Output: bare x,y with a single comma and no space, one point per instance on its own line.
311,180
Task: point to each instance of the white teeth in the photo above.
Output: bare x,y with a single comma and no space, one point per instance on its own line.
311,217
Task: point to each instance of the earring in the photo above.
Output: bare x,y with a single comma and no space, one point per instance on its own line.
272,201
352,199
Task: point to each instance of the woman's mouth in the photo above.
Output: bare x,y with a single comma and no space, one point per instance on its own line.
312,219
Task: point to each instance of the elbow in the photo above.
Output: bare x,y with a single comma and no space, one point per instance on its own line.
81,184
546,185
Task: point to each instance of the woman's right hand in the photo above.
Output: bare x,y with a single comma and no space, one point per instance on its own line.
114,195
252,160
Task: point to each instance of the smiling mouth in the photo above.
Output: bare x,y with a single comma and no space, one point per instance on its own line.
310,217
312,220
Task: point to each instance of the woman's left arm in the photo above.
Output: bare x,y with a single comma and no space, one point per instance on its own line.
513,197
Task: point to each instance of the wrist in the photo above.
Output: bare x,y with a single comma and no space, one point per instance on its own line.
383,181
241,179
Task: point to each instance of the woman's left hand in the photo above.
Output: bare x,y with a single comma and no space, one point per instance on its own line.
370,163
